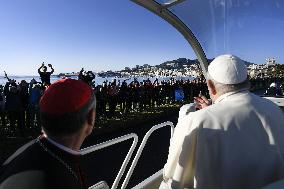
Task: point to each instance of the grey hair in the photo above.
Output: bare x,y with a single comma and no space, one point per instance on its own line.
225,88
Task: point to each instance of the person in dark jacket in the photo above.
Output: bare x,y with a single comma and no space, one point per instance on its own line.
13,105
67,110
87,76
33,107
44,74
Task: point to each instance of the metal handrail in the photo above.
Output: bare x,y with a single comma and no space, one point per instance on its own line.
141,147
110,143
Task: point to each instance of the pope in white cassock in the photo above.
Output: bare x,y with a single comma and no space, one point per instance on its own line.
235,143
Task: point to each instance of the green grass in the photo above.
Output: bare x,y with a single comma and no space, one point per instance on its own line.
135,118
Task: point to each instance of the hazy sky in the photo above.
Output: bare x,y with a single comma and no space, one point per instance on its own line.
95,34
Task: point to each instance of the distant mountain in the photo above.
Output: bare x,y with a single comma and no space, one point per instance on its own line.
246,62
178,64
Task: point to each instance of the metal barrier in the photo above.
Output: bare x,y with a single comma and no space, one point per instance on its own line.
141,147
112,142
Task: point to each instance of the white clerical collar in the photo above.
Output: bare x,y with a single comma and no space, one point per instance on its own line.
62,147
224,96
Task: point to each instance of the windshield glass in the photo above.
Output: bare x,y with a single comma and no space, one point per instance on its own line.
251,29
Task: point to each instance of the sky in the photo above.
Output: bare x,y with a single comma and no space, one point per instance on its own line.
94,34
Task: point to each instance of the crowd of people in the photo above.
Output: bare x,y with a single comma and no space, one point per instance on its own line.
138,96
19,101
265,83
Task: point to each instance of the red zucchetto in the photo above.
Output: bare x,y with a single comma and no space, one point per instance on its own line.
65,96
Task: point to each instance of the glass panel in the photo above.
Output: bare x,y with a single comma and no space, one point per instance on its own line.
251,29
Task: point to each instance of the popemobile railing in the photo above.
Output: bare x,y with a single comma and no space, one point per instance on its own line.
130,152
141,147
110,143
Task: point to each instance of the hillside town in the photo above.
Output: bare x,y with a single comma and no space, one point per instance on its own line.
271,68
173,68
180,67
183,67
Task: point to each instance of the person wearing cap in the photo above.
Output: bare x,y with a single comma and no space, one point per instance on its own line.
67,112
237,142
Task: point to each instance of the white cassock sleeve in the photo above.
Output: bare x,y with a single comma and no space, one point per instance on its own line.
179,169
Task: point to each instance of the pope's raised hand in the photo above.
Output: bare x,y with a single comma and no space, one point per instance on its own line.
201,102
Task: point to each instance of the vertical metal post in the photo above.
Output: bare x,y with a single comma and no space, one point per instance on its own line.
141,147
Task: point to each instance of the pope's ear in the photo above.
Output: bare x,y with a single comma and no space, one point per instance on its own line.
211,87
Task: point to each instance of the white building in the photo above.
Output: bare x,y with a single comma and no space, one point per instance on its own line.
270,62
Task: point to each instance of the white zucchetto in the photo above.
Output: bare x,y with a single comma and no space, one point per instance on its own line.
227,69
